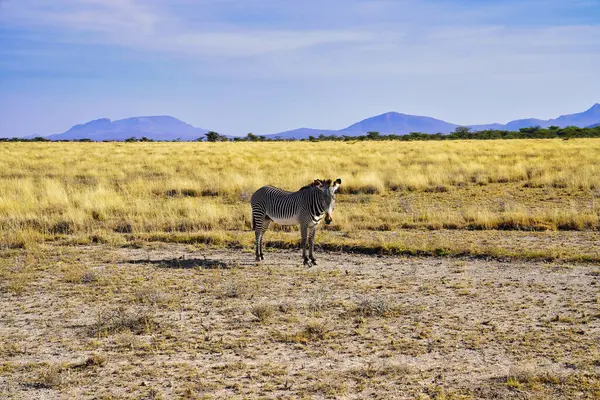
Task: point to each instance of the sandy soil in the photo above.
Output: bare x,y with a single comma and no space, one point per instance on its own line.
174,321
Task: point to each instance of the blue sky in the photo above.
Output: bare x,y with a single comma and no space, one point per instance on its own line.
265,66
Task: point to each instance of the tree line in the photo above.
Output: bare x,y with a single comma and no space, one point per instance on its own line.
460,133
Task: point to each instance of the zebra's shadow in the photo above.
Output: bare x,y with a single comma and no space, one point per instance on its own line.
185,263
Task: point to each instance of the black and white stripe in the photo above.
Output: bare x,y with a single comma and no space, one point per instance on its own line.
306,207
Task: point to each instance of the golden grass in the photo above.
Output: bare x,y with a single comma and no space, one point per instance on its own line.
107,190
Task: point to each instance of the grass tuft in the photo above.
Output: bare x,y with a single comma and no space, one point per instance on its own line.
135,320
372,306
262,312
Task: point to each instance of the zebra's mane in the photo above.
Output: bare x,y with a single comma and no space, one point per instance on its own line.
307,187
325,182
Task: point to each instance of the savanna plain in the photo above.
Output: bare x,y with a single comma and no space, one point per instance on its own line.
452,270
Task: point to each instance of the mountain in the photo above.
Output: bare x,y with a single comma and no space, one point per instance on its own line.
510,126
588,117
390,122
154,127
594,125
170,128
583,119
400,124
393,122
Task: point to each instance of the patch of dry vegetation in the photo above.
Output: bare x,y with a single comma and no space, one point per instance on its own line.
113,192
356,326
104,272
121,319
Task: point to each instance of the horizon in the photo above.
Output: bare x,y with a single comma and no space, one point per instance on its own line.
267,67
300,128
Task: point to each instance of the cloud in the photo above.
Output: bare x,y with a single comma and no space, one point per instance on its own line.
325,38
102,16
154,26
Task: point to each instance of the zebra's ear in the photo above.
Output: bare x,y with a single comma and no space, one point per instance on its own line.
336,184
317,182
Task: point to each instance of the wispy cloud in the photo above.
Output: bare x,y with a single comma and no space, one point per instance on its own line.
226,28
102,16
156,26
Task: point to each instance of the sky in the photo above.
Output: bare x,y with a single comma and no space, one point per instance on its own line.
267,66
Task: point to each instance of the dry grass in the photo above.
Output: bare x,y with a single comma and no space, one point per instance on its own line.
356,326
262,312
121,319
106,192
108,269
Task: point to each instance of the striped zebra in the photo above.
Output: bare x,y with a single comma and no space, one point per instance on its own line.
306,207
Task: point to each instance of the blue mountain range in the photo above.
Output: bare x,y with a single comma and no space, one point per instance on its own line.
154,127
170,128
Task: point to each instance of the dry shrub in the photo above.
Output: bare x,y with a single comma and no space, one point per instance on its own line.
313,331
62,228
234,289
316,330
530,374
262,312
49,377
372,307
123,227
288,308
135,320
437,189
80,275
372,370
152,295
93,360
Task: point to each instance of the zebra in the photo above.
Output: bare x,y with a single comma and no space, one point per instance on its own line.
306,207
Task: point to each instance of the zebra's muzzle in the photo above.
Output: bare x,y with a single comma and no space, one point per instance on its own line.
328,219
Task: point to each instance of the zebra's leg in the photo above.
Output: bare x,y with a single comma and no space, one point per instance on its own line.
257,223
258,235
304,234
266,225
311,244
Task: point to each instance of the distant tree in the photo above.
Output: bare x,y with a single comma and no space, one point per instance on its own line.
462,130
530,129
212,136
131,139
252,137
373,135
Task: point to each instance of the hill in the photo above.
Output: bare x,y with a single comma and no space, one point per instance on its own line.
393,122
169,128
583,119
152,127
401,124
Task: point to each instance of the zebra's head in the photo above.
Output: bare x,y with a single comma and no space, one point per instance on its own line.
328,188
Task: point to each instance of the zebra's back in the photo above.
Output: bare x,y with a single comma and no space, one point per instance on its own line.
277,204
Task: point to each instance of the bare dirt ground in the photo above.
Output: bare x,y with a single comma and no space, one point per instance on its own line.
176,321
